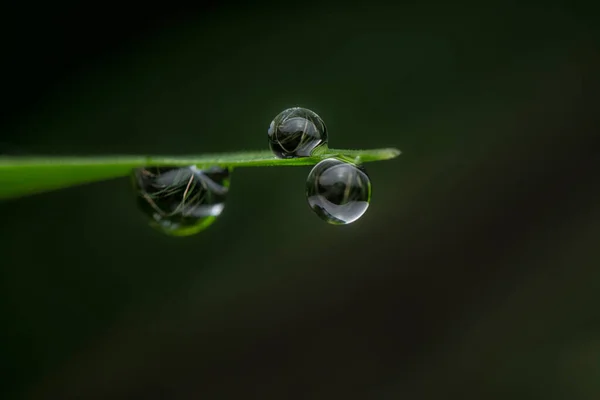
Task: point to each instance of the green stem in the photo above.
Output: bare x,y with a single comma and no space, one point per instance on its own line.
21,176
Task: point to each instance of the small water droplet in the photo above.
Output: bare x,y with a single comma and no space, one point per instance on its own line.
338,191
297,132
181,201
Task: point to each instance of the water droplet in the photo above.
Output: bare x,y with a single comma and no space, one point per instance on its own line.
338,191
297,132
181,201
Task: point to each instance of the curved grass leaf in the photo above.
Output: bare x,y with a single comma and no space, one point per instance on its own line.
20,176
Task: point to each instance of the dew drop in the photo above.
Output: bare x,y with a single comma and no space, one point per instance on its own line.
297,132
181,201
338,191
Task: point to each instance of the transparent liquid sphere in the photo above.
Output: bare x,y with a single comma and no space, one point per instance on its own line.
296,132
339,192
181,201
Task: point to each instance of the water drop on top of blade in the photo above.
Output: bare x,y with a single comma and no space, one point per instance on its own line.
297,132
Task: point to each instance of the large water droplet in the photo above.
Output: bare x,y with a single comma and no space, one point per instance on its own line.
338,191
297,132
181,201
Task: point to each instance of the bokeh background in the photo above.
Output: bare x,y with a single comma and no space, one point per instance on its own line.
475,273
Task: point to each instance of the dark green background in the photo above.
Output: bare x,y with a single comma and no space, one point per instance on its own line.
474,273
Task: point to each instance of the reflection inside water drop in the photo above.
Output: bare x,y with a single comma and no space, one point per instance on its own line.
297,132
181,201
338,191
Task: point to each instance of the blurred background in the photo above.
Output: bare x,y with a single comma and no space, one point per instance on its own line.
474,273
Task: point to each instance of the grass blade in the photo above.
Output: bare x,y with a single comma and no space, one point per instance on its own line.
20,176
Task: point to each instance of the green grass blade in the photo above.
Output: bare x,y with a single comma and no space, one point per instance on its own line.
21,176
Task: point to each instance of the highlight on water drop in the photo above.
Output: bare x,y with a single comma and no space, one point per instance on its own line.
297,132
181,201
338,191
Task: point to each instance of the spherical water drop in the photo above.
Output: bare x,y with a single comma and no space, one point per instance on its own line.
297,132
181,201
338,191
